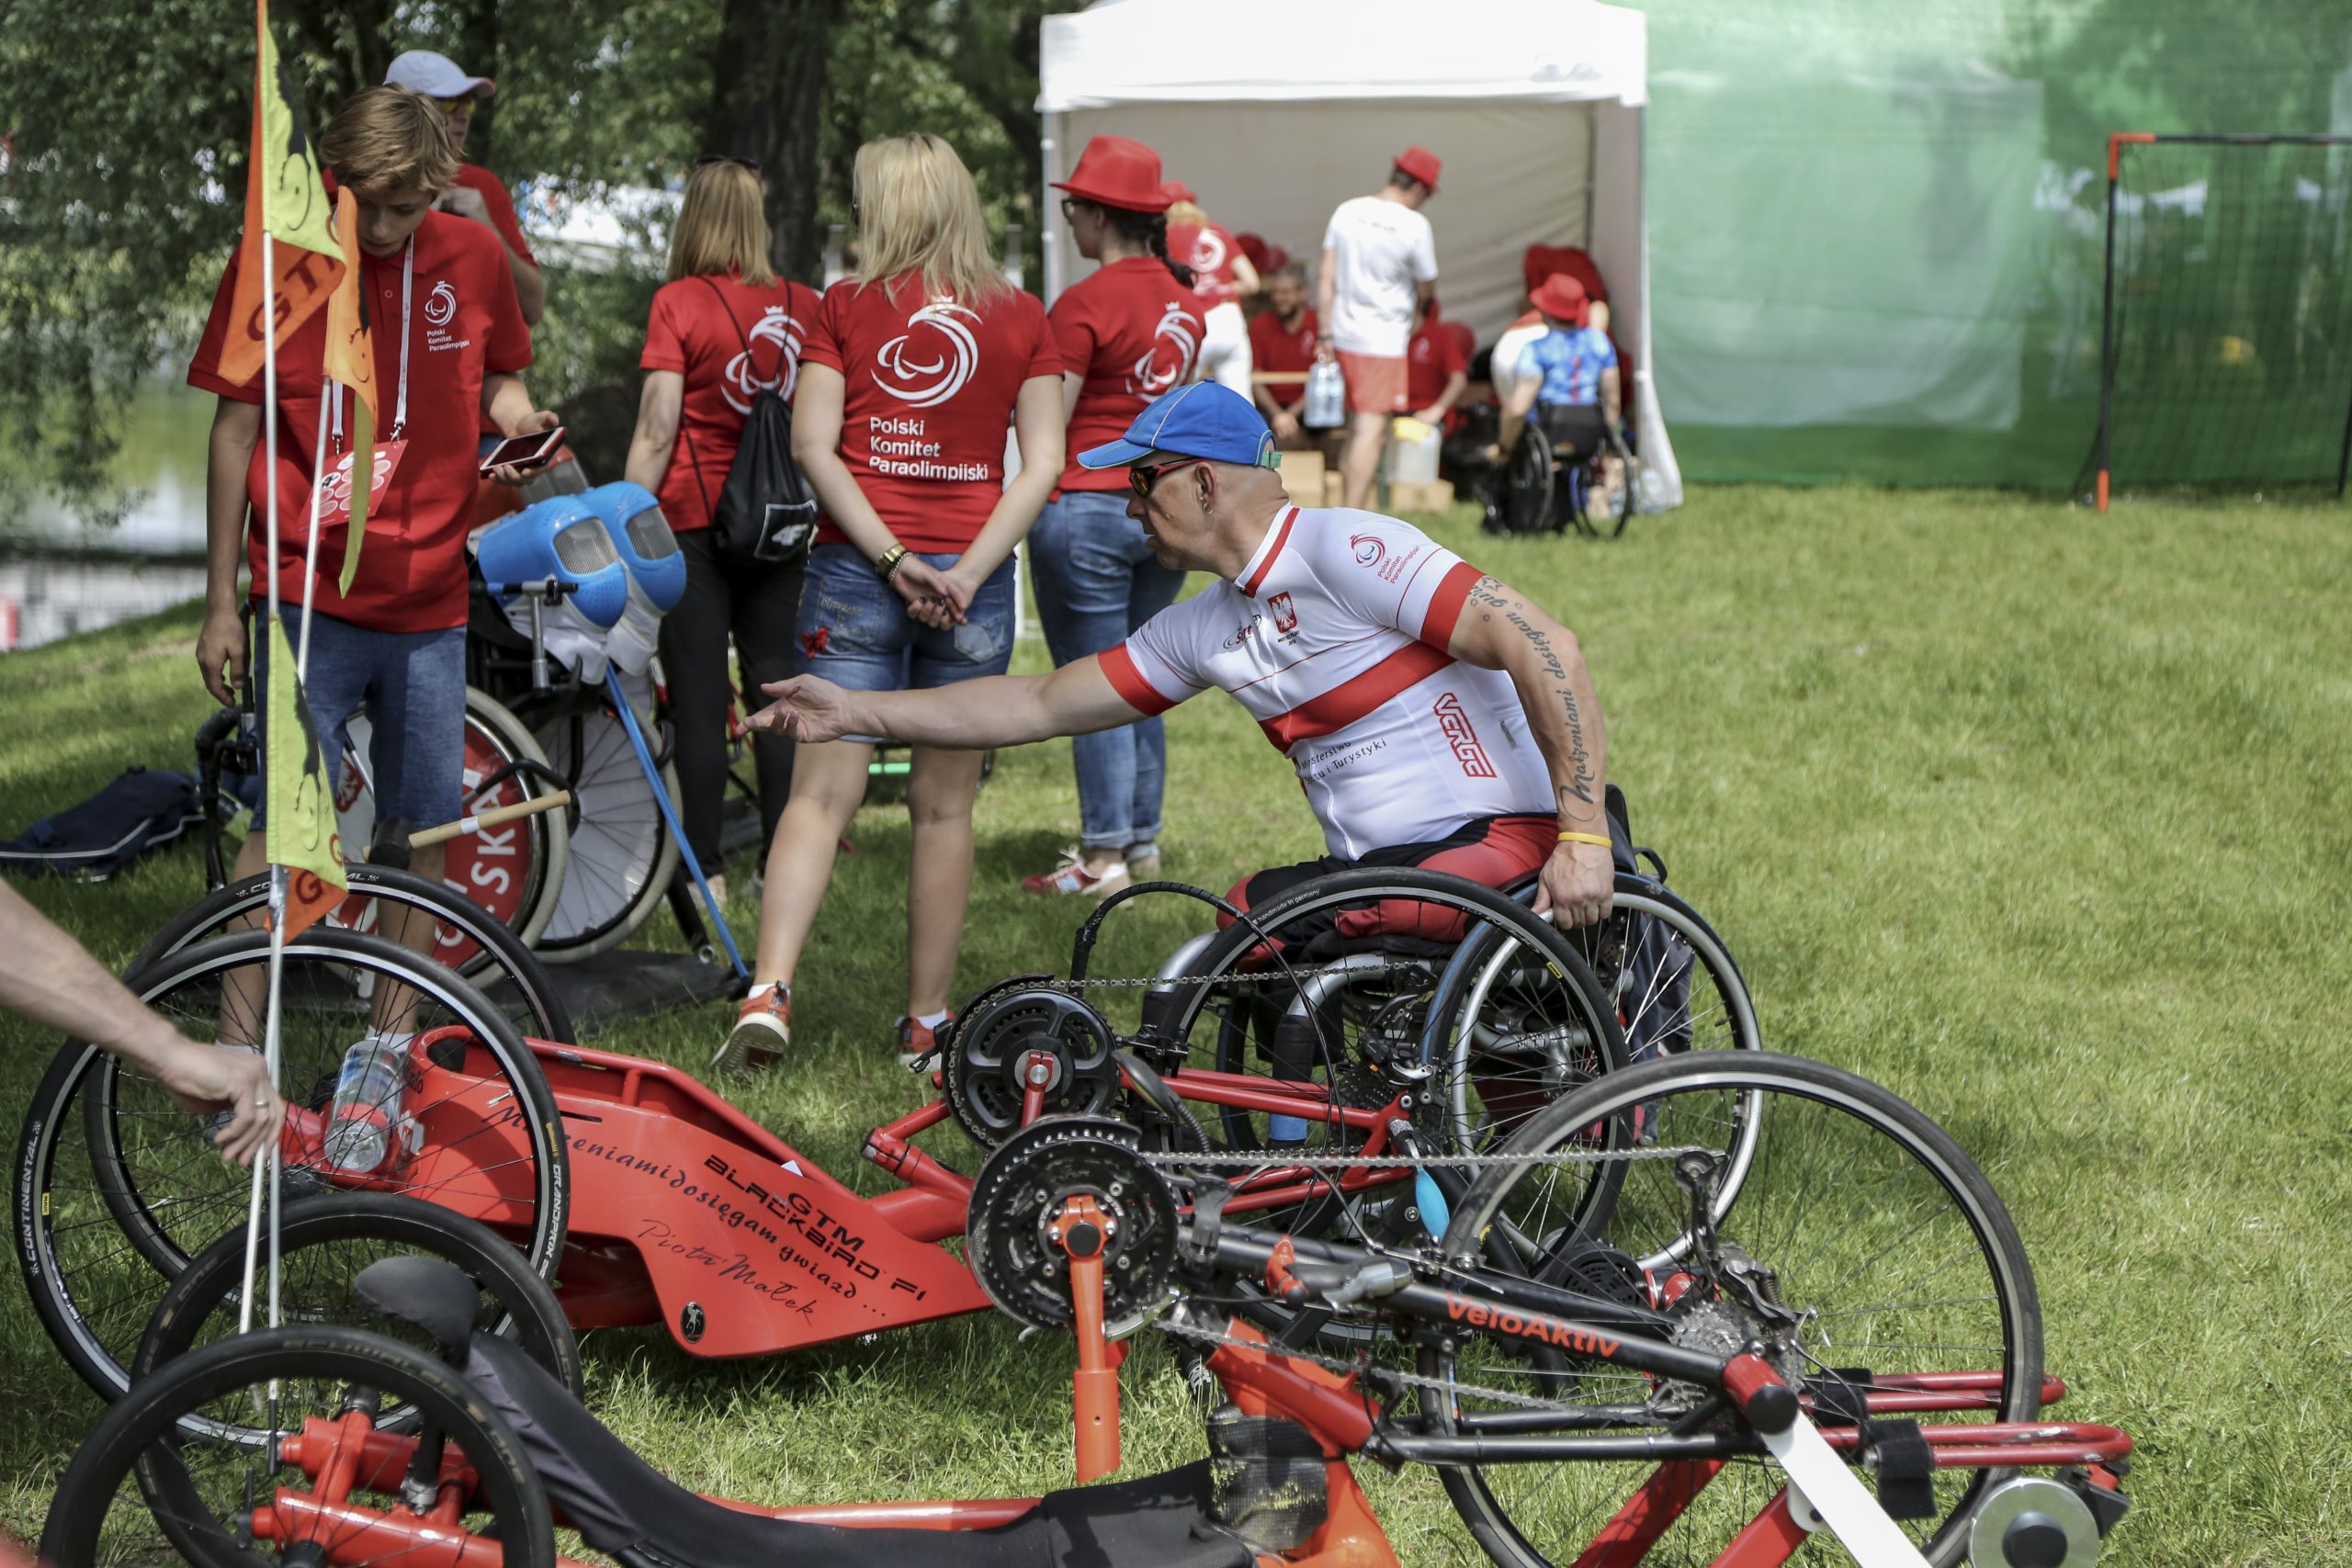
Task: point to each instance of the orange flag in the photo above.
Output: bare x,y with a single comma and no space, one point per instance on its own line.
351,360
286,197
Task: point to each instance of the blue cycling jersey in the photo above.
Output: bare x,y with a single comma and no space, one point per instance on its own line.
1570,360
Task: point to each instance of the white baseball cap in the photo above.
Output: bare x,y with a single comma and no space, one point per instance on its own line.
435,77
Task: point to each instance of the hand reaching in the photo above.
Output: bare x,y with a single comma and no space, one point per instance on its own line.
1579,885
809,708
211,1079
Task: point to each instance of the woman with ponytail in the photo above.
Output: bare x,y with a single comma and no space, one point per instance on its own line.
1128,332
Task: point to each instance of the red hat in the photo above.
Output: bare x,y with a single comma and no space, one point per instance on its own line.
1117,171
1421,163
1254,246
1562,296
1544,261
1277,258
1176,191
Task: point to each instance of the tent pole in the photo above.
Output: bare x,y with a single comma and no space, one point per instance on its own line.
2107,323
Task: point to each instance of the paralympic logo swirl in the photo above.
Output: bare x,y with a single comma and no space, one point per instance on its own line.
742,383
926,384
1154,372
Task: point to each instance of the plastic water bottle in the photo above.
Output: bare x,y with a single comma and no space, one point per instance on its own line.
368,1096
1326,405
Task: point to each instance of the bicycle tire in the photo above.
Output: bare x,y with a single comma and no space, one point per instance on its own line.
496,742
519,1305
135,1443
538,1009
1664,1090
94,1292
623,854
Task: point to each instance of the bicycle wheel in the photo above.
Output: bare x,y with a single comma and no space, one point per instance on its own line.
1867,1239
623,854
142,1490
1384,953
515,870
117,1188
1523,498
468,938
1625,497
324,1245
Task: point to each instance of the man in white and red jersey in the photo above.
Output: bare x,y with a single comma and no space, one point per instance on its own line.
1435,716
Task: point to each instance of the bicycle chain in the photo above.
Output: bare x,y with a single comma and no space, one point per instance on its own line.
1266,1159
1269,977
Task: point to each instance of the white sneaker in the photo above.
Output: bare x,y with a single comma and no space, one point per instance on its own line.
1071,876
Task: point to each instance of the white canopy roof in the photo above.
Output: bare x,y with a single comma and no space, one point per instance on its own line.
1126,51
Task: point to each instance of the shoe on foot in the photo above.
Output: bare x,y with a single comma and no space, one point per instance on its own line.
1071,876
1144,867
763,1031
917,1040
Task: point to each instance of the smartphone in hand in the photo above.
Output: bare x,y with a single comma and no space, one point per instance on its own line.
524,451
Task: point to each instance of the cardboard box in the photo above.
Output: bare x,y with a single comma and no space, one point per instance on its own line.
1420,495
1302,475
1332,486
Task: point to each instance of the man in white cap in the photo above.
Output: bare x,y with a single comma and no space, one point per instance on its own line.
478,194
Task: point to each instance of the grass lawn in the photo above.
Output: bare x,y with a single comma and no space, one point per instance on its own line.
2043,820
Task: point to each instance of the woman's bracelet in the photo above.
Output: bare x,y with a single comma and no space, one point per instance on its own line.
888,564
1600,839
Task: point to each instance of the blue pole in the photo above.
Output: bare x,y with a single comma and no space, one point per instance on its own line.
669,815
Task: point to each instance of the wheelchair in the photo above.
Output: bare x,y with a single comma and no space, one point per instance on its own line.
1548,486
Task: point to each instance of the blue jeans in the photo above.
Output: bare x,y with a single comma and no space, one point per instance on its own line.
1097,581
413,687
856,632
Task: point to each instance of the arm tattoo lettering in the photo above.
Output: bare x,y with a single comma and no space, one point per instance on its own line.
1580,787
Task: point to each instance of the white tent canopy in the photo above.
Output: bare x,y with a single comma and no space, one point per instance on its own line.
1276,111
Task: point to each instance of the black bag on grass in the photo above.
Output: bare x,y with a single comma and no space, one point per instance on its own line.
142,809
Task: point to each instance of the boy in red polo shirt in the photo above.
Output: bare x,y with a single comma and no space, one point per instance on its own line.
449,341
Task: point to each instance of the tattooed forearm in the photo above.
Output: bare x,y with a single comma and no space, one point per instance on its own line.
1572,754
1580,780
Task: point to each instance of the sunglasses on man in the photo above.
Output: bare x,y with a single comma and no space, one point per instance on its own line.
1141,476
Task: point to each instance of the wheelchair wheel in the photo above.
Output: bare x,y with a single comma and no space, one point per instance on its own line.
1864,1233
117,1188
1607,508
513,870
623,854
142,1489
324,1245
1523,498
469,940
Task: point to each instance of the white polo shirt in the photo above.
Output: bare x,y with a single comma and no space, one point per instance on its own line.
1381,250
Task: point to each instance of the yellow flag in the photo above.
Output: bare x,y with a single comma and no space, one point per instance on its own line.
351,360
287,196
301,834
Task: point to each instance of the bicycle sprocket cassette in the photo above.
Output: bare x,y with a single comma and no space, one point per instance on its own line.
1013,1032
1018,1204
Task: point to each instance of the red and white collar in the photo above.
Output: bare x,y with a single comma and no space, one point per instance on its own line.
1271,546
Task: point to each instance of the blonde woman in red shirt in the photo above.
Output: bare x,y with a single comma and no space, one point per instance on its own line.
724,329
909,378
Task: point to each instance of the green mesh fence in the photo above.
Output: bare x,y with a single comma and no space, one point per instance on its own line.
2230,314
1877,227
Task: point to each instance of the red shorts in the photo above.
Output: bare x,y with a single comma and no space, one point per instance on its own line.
1376,382
1497,852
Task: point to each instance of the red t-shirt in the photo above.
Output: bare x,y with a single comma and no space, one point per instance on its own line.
1209,250
1273,346
930,386
473,176
699,328
1431,360
463,324
1132,332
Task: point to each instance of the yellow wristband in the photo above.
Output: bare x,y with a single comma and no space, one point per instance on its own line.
1586,839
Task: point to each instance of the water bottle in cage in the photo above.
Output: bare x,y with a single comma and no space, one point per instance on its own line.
371,1098
1326,405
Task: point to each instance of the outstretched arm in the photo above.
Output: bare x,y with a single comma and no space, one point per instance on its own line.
1501,629
971,716
50,980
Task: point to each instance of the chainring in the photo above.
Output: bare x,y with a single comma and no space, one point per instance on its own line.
994,1042
1018,1198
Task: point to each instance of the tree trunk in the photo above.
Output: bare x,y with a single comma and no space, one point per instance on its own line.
767,89
477,56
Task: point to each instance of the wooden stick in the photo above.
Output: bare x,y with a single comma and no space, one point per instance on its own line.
1278,377
490,819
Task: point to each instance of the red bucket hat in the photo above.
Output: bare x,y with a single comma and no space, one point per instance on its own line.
1176,191
1422,164
1117,171
1562,296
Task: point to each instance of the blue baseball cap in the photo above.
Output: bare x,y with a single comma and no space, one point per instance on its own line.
1204,419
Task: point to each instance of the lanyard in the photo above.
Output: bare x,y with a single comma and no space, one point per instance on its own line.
400,403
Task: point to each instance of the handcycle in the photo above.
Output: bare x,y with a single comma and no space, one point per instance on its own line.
659,1201
1542,490
1719,1403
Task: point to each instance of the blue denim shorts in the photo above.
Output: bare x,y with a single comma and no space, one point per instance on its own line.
413,687
855,631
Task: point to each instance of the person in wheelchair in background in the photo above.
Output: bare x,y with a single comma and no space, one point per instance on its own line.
1567,386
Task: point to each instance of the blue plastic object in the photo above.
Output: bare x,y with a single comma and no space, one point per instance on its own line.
1427,1197
563,538
641,533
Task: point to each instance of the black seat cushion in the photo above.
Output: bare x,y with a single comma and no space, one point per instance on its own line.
619,1503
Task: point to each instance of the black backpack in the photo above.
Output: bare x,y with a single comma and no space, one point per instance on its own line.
766,513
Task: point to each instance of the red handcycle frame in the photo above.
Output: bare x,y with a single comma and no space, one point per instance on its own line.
342,1455
686,1211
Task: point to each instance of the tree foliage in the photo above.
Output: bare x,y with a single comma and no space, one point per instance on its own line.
126,123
